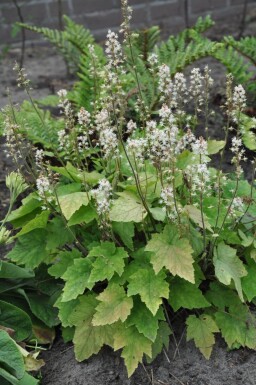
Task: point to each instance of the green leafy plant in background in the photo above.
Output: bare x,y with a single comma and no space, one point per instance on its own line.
27,315
128,217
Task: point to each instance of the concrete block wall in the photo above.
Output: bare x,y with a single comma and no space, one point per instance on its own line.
100,15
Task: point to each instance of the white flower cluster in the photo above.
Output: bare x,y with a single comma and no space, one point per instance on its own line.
44,188
198,173
196,85
113,50
13,140
236,206
239,156
162,141
165,85
102,196
39,159
136,148
22,80
239,98
167,199
84,117
107,135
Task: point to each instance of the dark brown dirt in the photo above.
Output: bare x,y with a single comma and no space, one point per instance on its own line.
182,366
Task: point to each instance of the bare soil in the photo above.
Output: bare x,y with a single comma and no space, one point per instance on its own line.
184,365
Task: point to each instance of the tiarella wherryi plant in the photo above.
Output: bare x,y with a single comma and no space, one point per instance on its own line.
131,219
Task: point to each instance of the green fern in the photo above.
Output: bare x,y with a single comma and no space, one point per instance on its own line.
42,131
71,43
245,46
145,41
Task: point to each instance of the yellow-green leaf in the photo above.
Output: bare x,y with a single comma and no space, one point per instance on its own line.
228,266
202,330
70,203
114,306
172,252
151,287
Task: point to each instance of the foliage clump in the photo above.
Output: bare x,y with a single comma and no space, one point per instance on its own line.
127,213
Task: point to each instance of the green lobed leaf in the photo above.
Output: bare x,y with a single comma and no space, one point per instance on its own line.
134,345
127,208
57,234
233,325
249,281
228,266
125,232
64,260
29,204
114,306
30,249
222,296
77,279
109,260
85,214
172,252
39,222
143,319
195,214
70,203
89,339
214,146
65,310
184,294
201,329
150,286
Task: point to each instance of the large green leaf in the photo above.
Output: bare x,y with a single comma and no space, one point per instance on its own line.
30,249
228,266
109,260
114,306
127,208
201,329
77,279
39,222
214,146
145,322
249,281
65,310
134,345
85,214
125,232
12,271
10,355
70,203
63,261
58,234
151,287
15,318
172,252
89,339
185,294
233,324
29,204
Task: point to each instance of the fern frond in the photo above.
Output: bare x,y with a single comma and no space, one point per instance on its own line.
71,42
235,64
145,41
245,46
